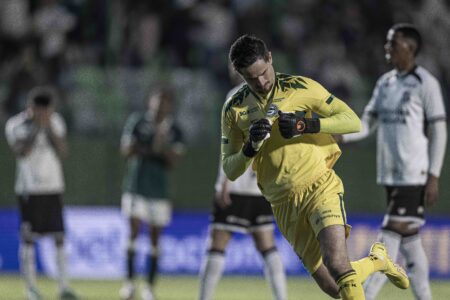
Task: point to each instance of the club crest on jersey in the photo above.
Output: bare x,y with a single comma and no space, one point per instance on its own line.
272,111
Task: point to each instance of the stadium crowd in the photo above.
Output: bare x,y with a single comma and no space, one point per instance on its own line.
43,41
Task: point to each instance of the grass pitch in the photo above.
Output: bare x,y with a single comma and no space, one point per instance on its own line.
186,288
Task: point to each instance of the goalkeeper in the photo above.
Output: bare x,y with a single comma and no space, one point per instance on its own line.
271,123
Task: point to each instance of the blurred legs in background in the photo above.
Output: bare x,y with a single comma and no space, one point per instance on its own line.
213,264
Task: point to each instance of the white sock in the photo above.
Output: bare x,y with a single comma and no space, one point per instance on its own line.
28,264
417,264
210,274
274,273
61,264
375,282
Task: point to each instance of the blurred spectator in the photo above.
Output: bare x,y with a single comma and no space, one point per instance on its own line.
51,23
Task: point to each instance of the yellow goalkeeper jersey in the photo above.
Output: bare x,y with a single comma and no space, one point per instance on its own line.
283,165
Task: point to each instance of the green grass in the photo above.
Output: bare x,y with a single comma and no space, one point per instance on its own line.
185,288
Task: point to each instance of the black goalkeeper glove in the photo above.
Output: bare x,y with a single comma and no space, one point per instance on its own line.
259,131
291,125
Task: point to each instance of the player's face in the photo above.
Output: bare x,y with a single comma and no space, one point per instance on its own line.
161,104
398,51
260,76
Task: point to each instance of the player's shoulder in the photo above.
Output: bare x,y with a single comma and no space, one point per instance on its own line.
387,76
135,117
293,82
237,98
425,76
16,120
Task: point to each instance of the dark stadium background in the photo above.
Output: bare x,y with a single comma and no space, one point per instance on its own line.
116,51
119,50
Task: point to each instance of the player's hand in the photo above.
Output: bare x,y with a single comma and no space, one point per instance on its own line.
291,125
338,138
223,199
259,131
431,190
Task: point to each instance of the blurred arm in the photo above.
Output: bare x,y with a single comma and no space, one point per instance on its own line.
437,135
21,143
222,195
368,126
56,133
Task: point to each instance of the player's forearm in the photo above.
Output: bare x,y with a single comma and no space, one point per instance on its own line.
437,143
367,127
340,123
340,119
58,143
234,165
24,146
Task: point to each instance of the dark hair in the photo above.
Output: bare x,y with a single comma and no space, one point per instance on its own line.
246,50
42,96
409,31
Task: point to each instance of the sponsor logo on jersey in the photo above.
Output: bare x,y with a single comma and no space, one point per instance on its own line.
249,111
272,111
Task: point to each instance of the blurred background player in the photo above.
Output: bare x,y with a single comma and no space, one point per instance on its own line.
37,138
152,144
240,207
408,111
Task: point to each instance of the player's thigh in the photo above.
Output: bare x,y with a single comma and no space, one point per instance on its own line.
236,217
264,239
405,209
134,207
159,212
334,249
41,214
219,239
293,224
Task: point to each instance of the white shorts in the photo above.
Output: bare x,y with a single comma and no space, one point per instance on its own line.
156,212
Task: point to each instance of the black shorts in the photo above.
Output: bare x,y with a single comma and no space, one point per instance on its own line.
406,203
245,214
41,214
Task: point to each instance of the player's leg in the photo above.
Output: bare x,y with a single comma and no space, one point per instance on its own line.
376,281
153,258
27,250
128,289
403,218
273,266
261,228
30,223
159,216
65,292
54,225
334,252
132,208
213,264
417,264
327,219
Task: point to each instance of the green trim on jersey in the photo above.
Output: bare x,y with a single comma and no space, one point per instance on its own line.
286,82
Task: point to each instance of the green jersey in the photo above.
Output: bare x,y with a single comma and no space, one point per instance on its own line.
146,175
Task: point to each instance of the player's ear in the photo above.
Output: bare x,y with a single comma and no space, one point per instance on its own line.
269,57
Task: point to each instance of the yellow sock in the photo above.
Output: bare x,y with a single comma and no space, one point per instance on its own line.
350,287
366,266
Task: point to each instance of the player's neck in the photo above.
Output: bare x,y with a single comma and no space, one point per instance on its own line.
406,67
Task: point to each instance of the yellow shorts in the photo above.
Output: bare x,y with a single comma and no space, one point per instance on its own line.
306,212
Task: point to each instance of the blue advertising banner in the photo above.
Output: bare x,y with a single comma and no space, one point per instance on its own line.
97,239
